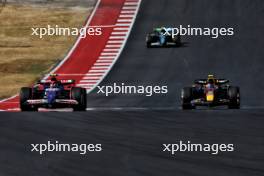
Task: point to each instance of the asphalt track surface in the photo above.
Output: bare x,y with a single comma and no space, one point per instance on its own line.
132,137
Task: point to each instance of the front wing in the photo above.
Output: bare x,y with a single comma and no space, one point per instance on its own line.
202,102
159,44
57,101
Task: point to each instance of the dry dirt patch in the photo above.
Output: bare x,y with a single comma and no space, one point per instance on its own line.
23,57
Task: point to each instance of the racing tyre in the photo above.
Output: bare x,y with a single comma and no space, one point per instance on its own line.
79,94
178,41
234,98
148,42
187,96
25,94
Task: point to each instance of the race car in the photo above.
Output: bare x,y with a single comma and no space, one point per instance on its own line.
210,92
53,94
162,37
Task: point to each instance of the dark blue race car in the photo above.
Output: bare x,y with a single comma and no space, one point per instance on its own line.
210,92
53,94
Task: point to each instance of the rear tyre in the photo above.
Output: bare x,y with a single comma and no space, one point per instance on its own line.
25,94
234,98
79,94
187,96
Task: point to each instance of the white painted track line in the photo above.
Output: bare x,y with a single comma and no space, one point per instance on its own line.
114,45
124,20
114,41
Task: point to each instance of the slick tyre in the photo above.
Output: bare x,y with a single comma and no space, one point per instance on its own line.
79,94
187,96
25,94
234,98
178,41
148,42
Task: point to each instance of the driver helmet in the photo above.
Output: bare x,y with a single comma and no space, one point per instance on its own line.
53,82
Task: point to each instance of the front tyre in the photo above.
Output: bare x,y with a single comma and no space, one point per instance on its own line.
79,94
25,94
178,41
187,96
234,98
148,44
148,41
